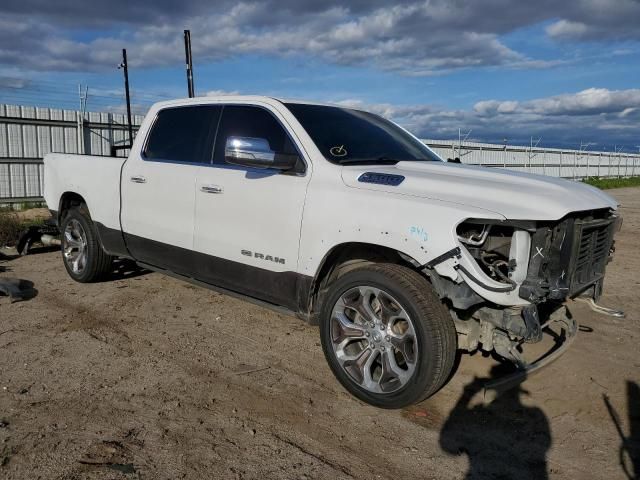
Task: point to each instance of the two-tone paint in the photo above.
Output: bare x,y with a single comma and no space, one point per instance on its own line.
164,214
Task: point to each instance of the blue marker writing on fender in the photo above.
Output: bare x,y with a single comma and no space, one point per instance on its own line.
419,233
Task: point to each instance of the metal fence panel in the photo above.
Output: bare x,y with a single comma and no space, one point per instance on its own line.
4,140
27,134
567,163
17,179
5,181
15,141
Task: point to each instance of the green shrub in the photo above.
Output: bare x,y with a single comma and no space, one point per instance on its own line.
30,205
605,183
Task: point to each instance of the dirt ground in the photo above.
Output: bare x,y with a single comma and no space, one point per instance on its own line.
144,376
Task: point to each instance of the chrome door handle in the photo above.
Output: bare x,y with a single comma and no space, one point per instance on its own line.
138,179
211,189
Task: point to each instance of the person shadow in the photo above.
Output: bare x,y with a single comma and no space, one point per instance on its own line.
504,439
629,453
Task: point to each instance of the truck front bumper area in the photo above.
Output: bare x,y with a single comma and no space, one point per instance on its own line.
563,330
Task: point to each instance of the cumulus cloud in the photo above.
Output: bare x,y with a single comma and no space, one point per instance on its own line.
592,101
217,93
604,117
596,20
387,37
411,37
567,28
13,82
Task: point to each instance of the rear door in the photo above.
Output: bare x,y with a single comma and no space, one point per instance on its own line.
158,186
247,220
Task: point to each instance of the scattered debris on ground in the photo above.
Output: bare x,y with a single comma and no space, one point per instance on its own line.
16,289
144,376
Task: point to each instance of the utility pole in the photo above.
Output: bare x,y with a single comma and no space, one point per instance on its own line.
583,149
461,141
531,154
504,152
83,97
618,152
125,67
81,115
189,62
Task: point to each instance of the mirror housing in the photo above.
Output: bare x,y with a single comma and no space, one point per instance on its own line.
256,153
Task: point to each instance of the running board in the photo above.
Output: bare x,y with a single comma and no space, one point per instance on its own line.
261,303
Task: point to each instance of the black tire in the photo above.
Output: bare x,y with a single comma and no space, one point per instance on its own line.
97,262
434,329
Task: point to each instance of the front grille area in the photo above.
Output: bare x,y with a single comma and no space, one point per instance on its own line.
592,244
569,256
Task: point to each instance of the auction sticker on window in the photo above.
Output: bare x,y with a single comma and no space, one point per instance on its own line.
338,151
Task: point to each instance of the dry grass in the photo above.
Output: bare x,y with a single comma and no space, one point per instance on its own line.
10,228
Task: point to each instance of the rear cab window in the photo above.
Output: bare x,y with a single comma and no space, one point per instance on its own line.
183,134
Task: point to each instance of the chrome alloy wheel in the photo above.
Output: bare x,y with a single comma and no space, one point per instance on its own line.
74,246
374,339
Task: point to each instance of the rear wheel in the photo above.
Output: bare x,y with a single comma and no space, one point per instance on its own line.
82,254
386,335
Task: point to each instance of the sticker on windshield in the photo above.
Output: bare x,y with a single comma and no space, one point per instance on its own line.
338,151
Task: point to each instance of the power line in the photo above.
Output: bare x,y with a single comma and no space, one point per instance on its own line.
63,94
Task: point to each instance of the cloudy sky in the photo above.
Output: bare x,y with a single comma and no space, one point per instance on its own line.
567,72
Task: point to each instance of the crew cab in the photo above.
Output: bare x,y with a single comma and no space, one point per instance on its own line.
346,220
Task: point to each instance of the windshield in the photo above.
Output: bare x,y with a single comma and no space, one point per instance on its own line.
349,137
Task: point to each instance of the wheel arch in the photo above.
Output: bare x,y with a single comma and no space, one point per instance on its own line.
344,256
67,201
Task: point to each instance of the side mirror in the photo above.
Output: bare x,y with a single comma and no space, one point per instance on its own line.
256,153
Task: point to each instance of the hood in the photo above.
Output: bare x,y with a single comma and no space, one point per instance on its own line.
514,195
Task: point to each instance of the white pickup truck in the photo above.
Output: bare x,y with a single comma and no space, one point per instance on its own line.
346,220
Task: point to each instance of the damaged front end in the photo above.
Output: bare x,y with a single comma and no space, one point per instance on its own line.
512,280
569,258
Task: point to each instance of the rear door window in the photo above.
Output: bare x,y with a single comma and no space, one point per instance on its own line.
183,134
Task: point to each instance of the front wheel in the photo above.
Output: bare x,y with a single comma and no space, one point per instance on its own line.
386,335
82,253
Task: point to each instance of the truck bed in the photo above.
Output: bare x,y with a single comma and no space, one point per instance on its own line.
95,178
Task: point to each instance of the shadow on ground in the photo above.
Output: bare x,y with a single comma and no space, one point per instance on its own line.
629,451
504,439
15,288
21,290
123,269
4,259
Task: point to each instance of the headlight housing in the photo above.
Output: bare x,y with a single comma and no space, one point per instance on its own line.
501,249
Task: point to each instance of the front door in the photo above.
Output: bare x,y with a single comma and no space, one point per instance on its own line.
247,220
